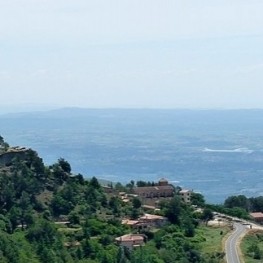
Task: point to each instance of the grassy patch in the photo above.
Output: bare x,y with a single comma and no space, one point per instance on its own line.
211,242
212,238
248,246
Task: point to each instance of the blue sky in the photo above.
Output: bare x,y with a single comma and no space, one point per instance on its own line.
142,54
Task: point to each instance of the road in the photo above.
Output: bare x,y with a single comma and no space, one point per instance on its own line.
231,245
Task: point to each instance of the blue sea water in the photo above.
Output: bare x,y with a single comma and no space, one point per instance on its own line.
216,152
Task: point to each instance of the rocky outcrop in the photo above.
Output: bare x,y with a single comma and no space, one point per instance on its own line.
12,154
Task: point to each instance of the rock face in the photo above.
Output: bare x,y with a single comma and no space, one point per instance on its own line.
11,154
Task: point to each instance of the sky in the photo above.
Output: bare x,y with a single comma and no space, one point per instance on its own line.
131,54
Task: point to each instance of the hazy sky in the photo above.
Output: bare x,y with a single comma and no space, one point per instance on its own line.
139,53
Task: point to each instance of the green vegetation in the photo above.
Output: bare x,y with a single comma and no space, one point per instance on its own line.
213,238
239,206
252,247
3,145
48,214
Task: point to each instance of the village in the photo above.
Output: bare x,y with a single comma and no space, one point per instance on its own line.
150,197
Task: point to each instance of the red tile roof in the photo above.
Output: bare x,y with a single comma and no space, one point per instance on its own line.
257,215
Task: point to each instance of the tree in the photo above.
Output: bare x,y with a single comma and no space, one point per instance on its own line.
4,145
79,178
5,224
257,254
59,174
119,187
105,240
8,250
114,204
26,210
94,183
256,203
74,218
130,185
64,165
60,206
240,201
136,203
197,199
43,231
207,214
87,248
134,213
121,258
14,216
189,228
254,251
194,256
143,183
173,210
35,164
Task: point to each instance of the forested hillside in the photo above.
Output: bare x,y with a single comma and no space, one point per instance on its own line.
48,214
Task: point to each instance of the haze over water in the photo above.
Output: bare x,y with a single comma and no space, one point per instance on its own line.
215,152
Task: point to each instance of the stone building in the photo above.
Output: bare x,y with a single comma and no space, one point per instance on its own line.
130,241
185,195
161,189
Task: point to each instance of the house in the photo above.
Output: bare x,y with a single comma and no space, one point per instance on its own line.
153,220
136,225
129,222
185,195
161,189
257,217
131,241
146,222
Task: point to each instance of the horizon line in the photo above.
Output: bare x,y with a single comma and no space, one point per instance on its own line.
7,110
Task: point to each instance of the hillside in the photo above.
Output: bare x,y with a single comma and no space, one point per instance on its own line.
50,215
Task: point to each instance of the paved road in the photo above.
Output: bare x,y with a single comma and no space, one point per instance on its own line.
232,243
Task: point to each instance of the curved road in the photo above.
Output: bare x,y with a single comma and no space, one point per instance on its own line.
232,243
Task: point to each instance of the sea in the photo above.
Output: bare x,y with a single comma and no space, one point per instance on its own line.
217,153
